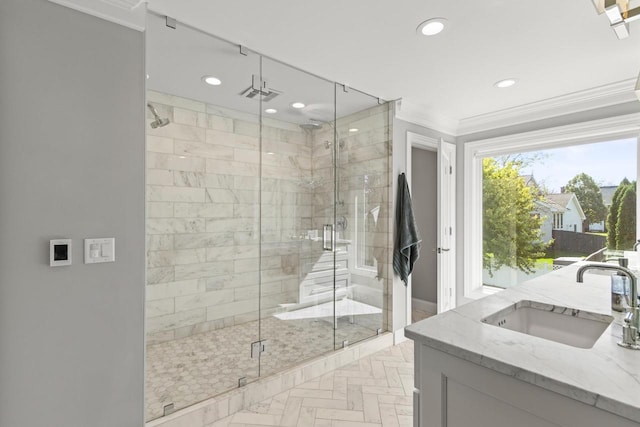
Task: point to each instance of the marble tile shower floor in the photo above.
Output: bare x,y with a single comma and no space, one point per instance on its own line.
189,370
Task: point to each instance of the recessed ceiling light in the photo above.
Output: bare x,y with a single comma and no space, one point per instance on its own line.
213,81
270,111
505,83
270,153
147,75
354,130
431,27
298,105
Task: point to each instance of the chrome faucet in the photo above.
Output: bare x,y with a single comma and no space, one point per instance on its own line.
631,328
636,244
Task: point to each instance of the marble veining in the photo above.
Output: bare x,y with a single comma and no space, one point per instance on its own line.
605,376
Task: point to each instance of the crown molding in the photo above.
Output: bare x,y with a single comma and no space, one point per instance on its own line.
419,115
127,13
576,102
610,128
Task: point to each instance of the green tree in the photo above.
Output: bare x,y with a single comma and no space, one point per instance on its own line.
589,196
511,233
626,224
612,218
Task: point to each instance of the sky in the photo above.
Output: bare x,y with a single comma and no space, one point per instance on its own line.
606,162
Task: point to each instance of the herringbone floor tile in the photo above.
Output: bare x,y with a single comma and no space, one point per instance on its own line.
372,392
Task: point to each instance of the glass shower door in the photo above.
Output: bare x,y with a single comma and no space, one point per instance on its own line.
267,193
362,154
296,211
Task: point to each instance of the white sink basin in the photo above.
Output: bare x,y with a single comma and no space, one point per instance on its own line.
569,326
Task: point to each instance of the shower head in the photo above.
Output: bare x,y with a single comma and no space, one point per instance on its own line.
159,121
311,125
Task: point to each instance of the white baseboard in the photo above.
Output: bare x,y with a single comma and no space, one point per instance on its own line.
420,304
398,336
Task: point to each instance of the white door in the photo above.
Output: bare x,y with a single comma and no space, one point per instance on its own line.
446,226
446,200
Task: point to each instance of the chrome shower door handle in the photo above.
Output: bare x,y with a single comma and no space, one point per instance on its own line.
327,237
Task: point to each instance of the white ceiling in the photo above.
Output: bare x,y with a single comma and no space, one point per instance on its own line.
178,59
552,47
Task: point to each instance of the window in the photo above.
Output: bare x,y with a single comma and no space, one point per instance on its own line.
520,214
557,221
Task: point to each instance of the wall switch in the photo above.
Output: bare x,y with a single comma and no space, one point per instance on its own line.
99,250
59,252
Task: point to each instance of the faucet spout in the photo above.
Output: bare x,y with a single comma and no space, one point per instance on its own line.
631,328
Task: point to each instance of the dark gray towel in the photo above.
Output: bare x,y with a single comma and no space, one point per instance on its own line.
408,241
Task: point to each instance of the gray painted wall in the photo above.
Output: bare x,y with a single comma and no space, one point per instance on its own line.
424,185
71,165
400,129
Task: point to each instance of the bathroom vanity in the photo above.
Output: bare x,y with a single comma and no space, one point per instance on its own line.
538,355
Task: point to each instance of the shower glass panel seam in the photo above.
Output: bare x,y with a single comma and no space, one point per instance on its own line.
336,201
260,190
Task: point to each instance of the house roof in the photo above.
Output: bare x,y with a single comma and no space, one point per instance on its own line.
560,198
550,206
530,181
564,199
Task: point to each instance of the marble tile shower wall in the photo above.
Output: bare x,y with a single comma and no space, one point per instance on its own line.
364,176
203,216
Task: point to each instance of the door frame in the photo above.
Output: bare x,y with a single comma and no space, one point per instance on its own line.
415,140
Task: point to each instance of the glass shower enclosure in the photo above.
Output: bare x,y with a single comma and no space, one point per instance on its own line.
267,216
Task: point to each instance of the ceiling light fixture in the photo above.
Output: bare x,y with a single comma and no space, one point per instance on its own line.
618,14
431,27
505,83
298,105
213,81
354,130
270,111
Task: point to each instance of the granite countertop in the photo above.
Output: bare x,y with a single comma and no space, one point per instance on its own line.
606,376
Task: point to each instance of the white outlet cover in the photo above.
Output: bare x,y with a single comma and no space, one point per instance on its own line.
99,250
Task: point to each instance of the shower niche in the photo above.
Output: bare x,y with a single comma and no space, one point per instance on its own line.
267,216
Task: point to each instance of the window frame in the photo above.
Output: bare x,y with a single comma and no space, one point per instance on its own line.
602,130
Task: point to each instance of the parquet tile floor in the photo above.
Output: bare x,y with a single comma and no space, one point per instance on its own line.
371,392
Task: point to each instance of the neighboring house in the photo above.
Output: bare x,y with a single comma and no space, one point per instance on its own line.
560,211
530,181
607,195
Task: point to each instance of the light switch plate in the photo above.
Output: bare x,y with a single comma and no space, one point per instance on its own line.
99,250
59,252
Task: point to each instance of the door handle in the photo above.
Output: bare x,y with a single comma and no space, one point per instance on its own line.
327,237
440,250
